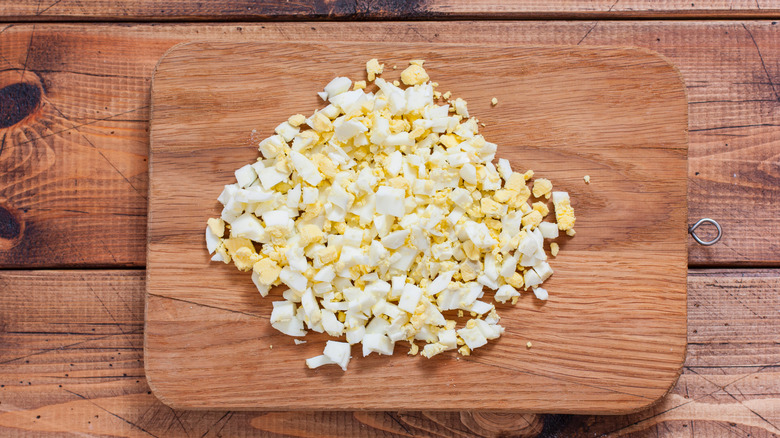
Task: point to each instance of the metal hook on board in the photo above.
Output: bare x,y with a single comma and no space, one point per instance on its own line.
706,220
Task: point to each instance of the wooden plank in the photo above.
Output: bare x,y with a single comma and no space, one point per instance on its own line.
71,354
75,196
33,10
633,99
731,369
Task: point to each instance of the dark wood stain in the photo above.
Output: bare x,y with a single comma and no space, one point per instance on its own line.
395,8
17,101
9,225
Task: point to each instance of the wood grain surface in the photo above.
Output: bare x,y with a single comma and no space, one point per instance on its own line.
71,363
98,75
73,175
168,10
610,340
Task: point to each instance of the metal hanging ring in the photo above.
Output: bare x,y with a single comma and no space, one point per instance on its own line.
706,220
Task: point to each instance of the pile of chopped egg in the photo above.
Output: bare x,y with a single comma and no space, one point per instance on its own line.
384,216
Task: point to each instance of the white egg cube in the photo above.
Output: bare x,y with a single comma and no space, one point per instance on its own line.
296,260
559,196
398,283
457,159
380,129
377,326
544,270
366,180
376,253
396,102
485,280
318,361
528,246
509,266
395,162
479,307
254,194
390,201
490,331
479,234
378,288
355,334
505,293
383,223
395,239
301,143
351,256
410,297
455,215
504,168
270,176
293,327
461,198
549,230
325,275
311,307
440,283
283,311
347,101
337,86
405,258
338,352
399,139
245,175
293,279
340,197
212,241
540,293
490,267
305,168
330,111
287,131
448,338
331,324
431,350
262,288
473,337
469,173
378,343
310,195
276,218
249,226
448,299
531,278
349,129
353,236
271,147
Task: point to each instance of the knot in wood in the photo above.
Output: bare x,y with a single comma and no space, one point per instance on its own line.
502,424
17,101
10,228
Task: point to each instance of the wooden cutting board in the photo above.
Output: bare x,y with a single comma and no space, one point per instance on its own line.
611,338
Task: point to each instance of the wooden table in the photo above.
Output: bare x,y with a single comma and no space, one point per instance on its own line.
74,110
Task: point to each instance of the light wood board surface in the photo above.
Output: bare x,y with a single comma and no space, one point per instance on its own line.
610,340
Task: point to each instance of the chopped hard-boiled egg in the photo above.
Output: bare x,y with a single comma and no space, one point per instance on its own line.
374,68
385,217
